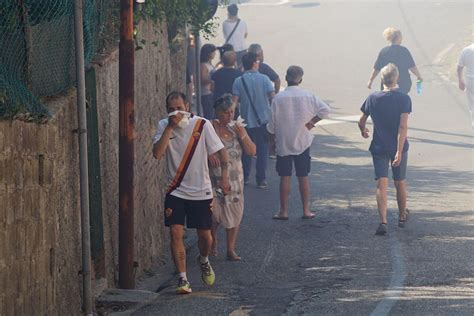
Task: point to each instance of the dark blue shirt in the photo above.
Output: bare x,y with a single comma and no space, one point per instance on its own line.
401,57
268,71
224,80
385,108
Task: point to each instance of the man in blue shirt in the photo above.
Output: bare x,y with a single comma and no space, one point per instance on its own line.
389,110
264,68
254,91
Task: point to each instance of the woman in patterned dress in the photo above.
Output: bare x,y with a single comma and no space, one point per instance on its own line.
228,209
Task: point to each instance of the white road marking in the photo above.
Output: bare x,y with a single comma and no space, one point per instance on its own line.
439,58
282,2
397,281
339,120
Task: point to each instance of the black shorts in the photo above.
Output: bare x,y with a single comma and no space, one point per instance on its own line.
195,214
302,164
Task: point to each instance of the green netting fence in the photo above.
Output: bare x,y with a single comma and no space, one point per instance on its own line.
37,58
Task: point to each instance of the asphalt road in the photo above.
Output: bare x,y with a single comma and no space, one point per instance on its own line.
334,265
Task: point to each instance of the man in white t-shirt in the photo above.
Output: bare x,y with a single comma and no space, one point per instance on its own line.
294,113
235,32
466,60
187,141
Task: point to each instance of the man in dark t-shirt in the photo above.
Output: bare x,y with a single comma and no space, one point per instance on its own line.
389,110
224,78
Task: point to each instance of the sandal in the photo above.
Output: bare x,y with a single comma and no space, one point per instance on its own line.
279,217
402,222
233,257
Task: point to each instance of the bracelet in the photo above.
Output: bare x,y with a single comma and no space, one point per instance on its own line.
245,136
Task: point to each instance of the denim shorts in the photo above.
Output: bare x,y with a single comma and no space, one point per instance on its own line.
302,162
382,162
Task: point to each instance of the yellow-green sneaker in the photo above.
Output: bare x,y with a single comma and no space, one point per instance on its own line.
207,273
183,286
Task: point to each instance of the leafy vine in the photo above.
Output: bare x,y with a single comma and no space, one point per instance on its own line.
177,14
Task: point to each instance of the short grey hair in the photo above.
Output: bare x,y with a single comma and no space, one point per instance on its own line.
223,103
294,74
255,48
389,74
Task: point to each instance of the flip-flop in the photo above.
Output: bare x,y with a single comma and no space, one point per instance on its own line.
234,258
281,218
402,222
308,217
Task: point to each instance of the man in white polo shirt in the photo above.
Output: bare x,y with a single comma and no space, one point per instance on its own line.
187,141
294,113
466,60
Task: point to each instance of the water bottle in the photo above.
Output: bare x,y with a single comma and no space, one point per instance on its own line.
419,86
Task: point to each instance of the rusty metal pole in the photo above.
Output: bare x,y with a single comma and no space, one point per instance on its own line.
126,143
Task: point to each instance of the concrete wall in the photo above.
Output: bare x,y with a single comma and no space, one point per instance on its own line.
40,244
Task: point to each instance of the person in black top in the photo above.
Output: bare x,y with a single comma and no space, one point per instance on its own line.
264,68
222,50
389,110
224,77
398,55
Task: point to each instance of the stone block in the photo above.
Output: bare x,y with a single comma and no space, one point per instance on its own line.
9,305
32,237
9,170
10,206
20,304
3,207
24,280
48,171
16,134
3,171
30,141
13,278
31,204
17,172
20,240
52,139
3,251
30,172
50,295
18,203
42,137
6,137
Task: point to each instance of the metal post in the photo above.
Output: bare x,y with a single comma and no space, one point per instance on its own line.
84,172
197,81
126,150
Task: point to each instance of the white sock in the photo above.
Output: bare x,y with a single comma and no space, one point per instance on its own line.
203,260
183,275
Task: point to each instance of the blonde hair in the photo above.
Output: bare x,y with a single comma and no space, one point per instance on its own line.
391,34
389,75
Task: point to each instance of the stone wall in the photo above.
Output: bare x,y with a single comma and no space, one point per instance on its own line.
40,253
40,242
153,81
